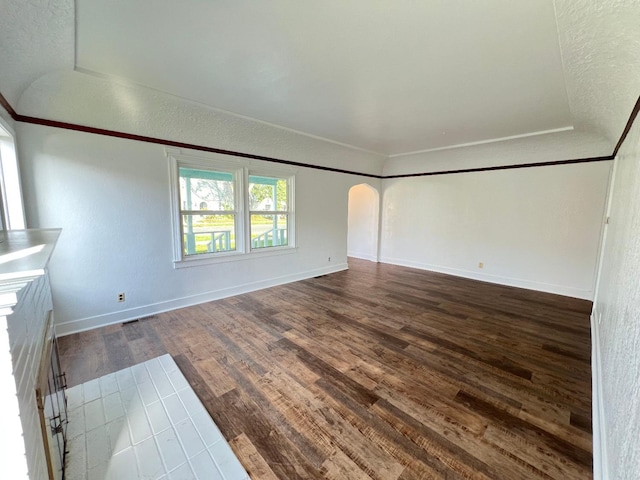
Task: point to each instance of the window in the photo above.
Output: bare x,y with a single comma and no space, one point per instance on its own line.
222,211
269,214
212,226
11,207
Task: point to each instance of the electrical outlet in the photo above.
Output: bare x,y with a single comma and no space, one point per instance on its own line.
480,265
121,297
329,259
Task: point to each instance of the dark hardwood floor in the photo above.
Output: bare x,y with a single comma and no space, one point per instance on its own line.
379,372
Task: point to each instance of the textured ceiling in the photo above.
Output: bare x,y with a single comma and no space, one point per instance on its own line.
389,77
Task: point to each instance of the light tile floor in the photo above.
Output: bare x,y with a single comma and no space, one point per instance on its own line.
145,422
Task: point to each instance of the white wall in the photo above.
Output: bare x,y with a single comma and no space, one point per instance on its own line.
617,320
364,209
540,148
535,228
87,100
111,198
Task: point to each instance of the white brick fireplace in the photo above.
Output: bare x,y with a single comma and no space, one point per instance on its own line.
25,304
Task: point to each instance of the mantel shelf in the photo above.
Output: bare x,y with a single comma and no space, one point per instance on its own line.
24,255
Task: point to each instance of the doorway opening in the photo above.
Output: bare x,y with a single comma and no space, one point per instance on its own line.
363,218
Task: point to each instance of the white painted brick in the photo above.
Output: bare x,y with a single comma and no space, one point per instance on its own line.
140,373
131,400
93,414
76,425
204,467
98,447
158,417
183,472
82,475
76,459
138,425
112,407
161,382
227,462
178,380
91,390
189,437
124,439
125,379
191,402
75,398
123,466
97,473
207,429
148,392
129,395
22,342
167,363
119,437
154,367
149,461
174,408
108,384
170,449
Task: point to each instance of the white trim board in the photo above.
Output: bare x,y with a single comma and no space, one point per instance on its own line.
363,256
497,279
600,456
89,323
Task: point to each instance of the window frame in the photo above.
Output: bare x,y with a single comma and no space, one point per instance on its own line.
12,212
237,212
241,172
290,212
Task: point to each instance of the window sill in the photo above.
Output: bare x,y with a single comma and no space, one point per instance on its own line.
233,257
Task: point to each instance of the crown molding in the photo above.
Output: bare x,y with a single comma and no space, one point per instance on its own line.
172,143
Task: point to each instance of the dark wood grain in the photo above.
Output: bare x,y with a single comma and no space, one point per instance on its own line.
378,372
172,143
7,106
627,127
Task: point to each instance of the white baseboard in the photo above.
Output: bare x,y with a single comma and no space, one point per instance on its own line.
363,256
600,457
501,280
89,323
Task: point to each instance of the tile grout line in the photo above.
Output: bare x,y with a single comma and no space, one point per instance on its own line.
119,398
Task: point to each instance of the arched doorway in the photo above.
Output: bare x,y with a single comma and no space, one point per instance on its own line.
364,211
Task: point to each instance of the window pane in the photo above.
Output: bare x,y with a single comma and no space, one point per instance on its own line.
208,233
269,231
206,190
267,194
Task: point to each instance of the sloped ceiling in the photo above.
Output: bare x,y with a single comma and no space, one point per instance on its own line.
393,78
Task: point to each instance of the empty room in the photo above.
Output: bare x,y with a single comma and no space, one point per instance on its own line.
320,240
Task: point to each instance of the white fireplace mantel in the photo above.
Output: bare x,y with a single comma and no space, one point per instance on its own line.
25,297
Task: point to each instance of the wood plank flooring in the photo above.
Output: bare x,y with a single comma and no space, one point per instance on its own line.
379,372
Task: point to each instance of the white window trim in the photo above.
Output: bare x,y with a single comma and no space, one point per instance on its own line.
12,214
241,171
291,202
